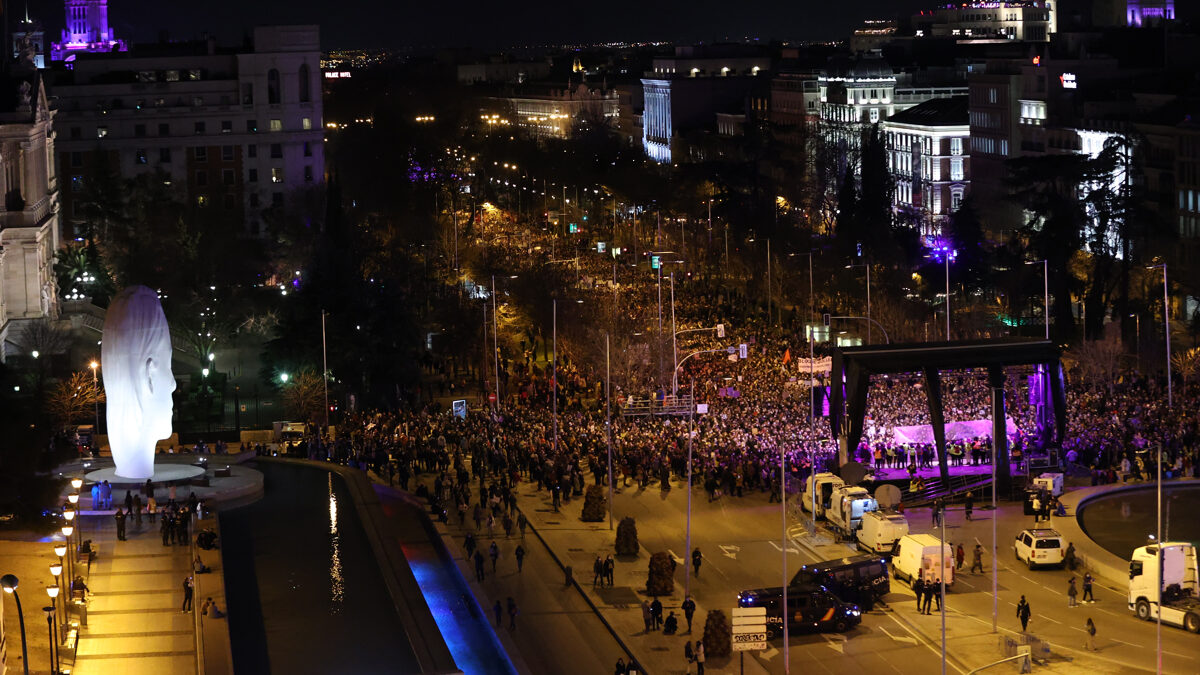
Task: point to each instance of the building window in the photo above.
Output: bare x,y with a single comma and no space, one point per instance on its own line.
252,126
252,151
202,201
76,159
199,128
164,155
227,126
76,183
276,125
991,94
276,151
164,129
252,175
306,123
139,131
247,93
201,178
956,168
200,153
276,199
308,174
874,116
140,156
956,198
307,149
197,101
956,145
227,153
254,200
272,86
304,83
76,133
229,203
227,176
276,175
101,132
172,76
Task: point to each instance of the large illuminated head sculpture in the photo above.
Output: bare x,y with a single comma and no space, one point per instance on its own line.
136,361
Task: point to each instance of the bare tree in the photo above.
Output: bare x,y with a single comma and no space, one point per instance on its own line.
304,398
74,398
1186,362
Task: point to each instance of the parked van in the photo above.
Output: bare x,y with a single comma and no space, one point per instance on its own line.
823,485
880,532
917,556
861,579
1051,483
810,608
1040,547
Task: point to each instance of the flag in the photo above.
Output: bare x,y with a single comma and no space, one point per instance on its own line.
787,355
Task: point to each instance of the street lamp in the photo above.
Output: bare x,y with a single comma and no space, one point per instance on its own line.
51,632
1045,292
96,399
1137,339
1166,329
283,377
67,531
9,582
53,591
946,253
76,483
868,266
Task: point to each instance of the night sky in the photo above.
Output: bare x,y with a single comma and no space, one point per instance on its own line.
438,23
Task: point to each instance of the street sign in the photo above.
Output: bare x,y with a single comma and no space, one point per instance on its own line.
749,630
750,624
655,262
492,397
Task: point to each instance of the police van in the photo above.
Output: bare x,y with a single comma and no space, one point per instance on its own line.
811,607
860,579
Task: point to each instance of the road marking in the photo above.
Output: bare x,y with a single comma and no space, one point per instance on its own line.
928,645
674,557
779,548
729,551
908,640
835,642
769,654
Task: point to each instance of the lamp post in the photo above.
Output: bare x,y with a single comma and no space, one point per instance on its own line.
9,582
50,633
850,266
67,531
96,399
946,253
1045,292
1137,338
1166,330
56,589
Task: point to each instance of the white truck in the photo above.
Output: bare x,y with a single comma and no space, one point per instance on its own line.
846,508
920,556
822,486
1178,588
880,532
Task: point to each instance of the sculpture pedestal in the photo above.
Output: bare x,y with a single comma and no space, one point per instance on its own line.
163,473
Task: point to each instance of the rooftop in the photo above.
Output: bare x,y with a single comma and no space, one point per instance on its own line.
936,112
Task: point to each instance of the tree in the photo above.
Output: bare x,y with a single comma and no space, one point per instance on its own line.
304,396
1186,363
71,400
627,537
718,636
661,579
594,504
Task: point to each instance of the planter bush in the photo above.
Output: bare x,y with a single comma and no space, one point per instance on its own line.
627,537
661,580
718,636
595,505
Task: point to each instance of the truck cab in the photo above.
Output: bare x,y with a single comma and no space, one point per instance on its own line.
1177,585
811,607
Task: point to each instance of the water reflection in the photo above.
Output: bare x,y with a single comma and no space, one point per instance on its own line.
337,584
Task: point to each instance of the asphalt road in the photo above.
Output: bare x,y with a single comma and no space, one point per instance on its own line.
742,544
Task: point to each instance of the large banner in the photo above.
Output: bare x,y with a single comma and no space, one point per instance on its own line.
955,431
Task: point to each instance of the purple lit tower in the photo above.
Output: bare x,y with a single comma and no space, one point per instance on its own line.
1149,12
87,31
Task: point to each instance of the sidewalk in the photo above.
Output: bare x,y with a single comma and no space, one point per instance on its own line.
135,626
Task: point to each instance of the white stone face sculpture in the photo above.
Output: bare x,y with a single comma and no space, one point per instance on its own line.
136,361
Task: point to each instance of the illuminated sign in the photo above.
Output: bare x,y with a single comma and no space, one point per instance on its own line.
601,246
337,75
1068,81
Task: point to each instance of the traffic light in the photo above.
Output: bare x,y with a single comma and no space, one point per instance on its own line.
825,319
572,228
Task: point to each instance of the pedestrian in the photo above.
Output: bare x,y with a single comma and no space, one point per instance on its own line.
469,544
969,504
696,560
507,522
519,553
918,587
647,616
512,613
1069,557
1087,588
1071,593
977,559
494,554
689,610
597,571
151,508
137,511
128,502
119,516
689,655
165,529
1090,629
699,657
97,502
671,624
960,556
1023,613
1037,510
479,575
187,594
498,610
656,610
610,569
620,667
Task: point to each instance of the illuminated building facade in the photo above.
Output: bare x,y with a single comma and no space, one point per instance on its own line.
236,131
554,113
1018,20
929,158
87,31
1149,12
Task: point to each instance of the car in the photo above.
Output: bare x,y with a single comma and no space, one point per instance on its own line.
1040,548
811,607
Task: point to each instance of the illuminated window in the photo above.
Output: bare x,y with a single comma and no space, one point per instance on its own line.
101,132
306,123
276,125
276,175
202,200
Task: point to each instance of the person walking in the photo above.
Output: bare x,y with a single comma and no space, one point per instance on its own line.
151,508
498,610
522,521
119,516
610,569
137,511
699,657
977,559
960,557
479,575
1071,593
1090,629
969,504
165,529
689,655
469,544
512,613
656,610
494,554
689,610
696,560
519,553
187,594
647,616
1023,613
1087,588
597,571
